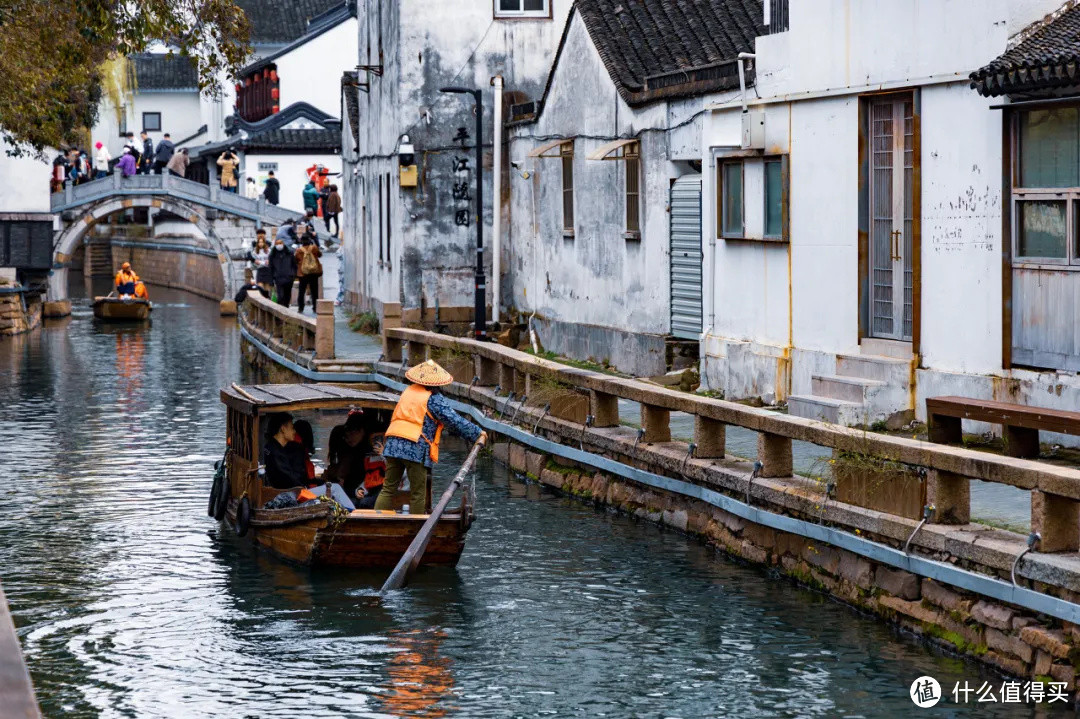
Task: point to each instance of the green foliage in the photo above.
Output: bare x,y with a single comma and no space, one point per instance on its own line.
580,364
365,322
58,58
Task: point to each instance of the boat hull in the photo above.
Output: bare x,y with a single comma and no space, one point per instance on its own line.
120,310
314,536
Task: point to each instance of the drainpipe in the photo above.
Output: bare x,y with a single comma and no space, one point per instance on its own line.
496,201
742,76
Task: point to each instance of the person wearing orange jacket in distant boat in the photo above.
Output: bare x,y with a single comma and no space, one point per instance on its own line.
140,291
125,280
412,439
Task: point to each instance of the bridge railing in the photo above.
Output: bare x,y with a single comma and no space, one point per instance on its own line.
1054,489
289,332
182,188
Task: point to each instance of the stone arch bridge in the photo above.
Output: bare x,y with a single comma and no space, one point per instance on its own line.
227,220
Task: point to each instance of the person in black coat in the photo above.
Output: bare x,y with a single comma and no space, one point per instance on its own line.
164,153
283,269
146,160
285,459
273,189
249,286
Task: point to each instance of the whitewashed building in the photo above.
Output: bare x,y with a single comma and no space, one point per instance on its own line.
415,241
604,189
859,250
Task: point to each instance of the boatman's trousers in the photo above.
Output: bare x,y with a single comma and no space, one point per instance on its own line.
395,470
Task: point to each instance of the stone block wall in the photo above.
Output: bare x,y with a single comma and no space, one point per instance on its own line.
1007,638
181,268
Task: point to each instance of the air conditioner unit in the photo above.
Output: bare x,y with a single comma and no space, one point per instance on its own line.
753,130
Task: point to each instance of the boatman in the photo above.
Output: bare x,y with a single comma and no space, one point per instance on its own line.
125,280
412,439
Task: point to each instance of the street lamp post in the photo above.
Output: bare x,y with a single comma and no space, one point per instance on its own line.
481,309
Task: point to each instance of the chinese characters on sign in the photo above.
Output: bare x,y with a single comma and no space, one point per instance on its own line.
462,182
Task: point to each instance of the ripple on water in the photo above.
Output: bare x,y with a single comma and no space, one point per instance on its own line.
132,603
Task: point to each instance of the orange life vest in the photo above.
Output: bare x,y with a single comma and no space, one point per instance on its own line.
140,290
374,471
407,421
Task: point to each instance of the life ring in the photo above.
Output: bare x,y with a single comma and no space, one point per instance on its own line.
222,502
243,516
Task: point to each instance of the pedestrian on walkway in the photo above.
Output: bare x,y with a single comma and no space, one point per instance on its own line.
251,190
249,286
260,260
102,158
146,160
309,269
311,197
130,142
412,439
331,210
127,163
165,150
229,164
178,163
273,189
59,173
283,270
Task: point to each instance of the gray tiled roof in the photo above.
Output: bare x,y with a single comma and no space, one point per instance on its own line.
639,40
281,21
1048,57
161,71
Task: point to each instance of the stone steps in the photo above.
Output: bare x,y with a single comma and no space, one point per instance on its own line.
866,388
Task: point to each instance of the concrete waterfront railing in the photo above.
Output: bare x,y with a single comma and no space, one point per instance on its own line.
288,331
1055,490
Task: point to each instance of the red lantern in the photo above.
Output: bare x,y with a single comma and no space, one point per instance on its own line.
266,72
257,77
247,82
275,110
274,93
238,86
273,75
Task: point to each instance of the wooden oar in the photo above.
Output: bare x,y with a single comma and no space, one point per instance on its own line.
411,559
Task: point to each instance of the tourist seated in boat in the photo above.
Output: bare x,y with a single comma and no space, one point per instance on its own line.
354,459
288,465
306,437
125,280
412,439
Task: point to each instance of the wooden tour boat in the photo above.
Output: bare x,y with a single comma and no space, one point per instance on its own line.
121,308
321,534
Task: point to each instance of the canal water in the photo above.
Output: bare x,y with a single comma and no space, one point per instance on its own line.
131,602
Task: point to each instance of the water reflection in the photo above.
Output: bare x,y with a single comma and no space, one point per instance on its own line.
131,602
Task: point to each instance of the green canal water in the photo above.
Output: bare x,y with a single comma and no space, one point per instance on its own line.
131,602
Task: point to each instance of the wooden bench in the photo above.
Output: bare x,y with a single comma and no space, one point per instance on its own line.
1021,423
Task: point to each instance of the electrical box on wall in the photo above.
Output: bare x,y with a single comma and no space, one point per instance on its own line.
407,176
406,163
753,130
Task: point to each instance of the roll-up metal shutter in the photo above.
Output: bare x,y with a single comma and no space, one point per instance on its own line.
686,257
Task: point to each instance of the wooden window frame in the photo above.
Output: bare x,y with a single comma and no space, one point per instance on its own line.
566,155
522,14
1017,194
782,162
389,215
740,158
632,197
151,129
721,206
381,260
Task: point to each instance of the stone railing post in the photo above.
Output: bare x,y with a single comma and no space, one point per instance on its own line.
774,453
604,408
117,178
507,378
487,370
324,329
950,494
656,421
68,190
391,318
710,436
1057,520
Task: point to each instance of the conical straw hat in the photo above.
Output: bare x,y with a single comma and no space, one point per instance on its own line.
429,374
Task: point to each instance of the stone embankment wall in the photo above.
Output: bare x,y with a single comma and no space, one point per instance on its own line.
1004,637
15,318
186,267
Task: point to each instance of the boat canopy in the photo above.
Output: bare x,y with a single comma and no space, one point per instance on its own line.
266,398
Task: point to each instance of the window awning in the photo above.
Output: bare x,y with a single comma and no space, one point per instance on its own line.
604,151
542,150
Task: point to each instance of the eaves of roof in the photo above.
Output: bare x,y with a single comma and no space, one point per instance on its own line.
319,25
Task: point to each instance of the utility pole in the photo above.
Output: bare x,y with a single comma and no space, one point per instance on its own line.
480,324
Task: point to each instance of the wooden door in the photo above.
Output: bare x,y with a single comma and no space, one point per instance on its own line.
892,138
